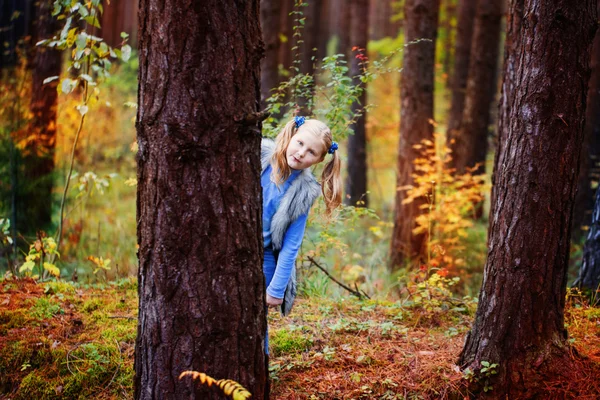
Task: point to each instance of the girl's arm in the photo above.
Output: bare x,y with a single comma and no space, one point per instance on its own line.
287,257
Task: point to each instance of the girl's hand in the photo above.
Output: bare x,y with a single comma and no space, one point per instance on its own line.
272,301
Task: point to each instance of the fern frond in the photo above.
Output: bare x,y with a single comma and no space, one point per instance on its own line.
229,387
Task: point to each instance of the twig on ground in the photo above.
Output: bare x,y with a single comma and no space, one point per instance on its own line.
358,293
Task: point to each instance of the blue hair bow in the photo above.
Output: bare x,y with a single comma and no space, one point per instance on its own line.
333,148
299,121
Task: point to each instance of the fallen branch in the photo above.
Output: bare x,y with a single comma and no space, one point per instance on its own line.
358,293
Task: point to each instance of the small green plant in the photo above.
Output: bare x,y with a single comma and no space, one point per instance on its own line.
44,308
39,251
482,376
284,341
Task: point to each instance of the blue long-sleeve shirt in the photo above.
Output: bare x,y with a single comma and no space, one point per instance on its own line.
278,271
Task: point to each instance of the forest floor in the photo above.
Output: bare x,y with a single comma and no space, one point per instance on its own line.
63,341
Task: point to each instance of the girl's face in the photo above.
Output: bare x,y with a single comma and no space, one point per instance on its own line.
304,150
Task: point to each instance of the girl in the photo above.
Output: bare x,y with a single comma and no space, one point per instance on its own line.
289,191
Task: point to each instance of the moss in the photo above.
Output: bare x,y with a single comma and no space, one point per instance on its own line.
284,341
36,386
44,308
91,305
11,319
59,287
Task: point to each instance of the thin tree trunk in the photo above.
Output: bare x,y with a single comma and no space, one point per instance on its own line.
286,23
270,11
34,201
449,15
462,57
471,140
356,181
590,152
201,285
416,115
519,322
340,22
324,29
310,36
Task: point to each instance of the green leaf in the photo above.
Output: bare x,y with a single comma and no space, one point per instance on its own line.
125,52
81,40
86,77
52,269
124,35
27,266
65,30
71,37
92,20
83,109
50,79
66,86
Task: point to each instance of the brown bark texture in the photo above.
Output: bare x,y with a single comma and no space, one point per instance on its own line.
356,180
416,118
286,24
519,322
324,28
470,141
589,166
381,13
201,285
119,16
462,57
306,45
270,22
34,199
340,25
589,274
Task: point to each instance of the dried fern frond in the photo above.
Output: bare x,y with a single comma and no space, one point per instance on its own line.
229,387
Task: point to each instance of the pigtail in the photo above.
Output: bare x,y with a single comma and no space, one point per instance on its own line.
281,169
331,183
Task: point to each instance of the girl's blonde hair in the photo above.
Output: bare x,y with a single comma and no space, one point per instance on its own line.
331,182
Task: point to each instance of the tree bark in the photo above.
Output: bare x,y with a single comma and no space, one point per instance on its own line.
270,20
324,28
119,16
34,199
519,322
340,23
356,181
286,23
201,285
589,170
462,57
416,115
309,41
589,274
470,144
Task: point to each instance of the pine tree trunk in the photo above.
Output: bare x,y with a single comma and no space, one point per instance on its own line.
356,181
201,285
462,57
286,23
324,28
310,36
519,322
589,168
340,22
270,11
416,115
34,201
471,140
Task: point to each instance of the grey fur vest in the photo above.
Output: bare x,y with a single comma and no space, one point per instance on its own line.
297,200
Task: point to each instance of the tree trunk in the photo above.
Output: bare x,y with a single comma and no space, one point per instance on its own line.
590,153
340,22
462,56
286,24
201,285
34,199
324,27
416,115
519,322
589,274
309,41
356,181
119,16
471,140
449,16
270,11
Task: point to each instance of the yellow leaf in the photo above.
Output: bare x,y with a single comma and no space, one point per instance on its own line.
52,269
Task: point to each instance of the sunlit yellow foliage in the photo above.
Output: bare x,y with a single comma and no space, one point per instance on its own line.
451,202
229,387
